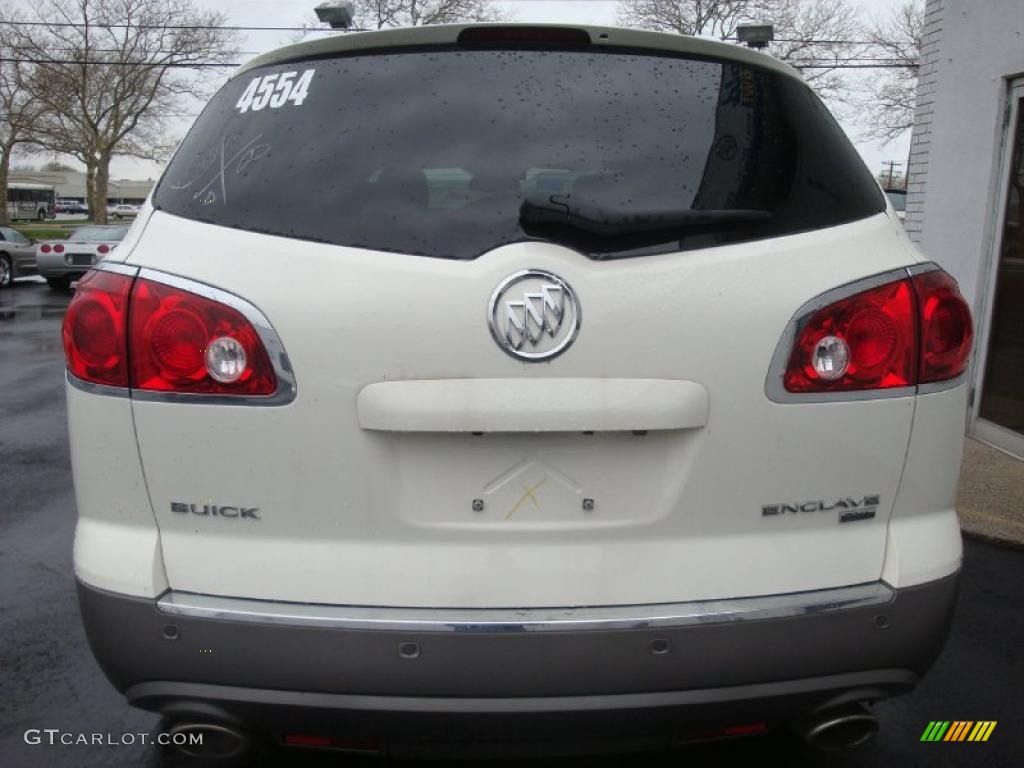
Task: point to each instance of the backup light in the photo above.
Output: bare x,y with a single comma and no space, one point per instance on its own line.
831,358
225,360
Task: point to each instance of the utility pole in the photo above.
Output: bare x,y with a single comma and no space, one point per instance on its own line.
888,176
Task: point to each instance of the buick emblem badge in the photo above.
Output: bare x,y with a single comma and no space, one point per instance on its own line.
534,315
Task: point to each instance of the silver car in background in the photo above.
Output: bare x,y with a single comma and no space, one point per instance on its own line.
61,261
17,256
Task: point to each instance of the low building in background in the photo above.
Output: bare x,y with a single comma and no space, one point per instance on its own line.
966,184
70,185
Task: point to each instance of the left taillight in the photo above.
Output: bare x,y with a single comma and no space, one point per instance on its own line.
184,342
124,331
94,330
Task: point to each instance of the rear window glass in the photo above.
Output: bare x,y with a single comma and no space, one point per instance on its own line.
433,152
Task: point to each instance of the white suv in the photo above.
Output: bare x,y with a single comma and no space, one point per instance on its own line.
520,383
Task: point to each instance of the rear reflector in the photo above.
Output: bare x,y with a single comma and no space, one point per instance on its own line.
318,741
183,342
94,329
906,332
729,731
307,740
524,36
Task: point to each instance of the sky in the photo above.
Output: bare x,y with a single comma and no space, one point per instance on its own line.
268,13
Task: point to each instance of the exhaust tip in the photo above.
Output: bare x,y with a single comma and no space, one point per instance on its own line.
208,741
839,728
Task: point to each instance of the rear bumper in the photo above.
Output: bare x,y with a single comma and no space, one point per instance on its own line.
409,681
56,265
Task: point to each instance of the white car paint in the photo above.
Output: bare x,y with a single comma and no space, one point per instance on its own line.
347,512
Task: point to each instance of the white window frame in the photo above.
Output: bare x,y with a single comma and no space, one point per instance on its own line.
995,435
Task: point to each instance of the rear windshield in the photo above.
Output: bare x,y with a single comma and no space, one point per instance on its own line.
433,152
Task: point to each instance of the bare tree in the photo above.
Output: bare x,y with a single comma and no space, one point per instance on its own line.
885,103
109,73
378,14
805,30
19,112
811,35
689,17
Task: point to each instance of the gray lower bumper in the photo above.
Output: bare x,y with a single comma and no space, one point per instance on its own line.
415,681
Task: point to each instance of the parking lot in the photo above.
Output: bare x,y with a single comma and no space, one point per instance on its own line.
49,679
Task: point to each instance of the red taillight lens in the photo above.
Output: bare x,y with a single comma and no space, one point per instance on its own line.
58,248
93,331
45,248
104,248
903,333
172,340
946,331
877,329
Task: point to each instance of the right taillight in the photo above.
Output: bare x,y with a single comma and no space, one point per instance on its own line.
946,331
908,331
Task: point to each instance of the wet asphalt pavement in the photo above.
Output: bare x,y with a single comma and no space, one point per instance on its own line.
48,678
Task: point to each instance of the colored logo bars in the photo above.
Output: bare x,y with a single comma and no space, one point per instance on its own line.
958,730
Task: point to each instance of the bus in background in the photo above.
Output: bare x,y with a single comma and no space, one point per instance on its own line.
29,201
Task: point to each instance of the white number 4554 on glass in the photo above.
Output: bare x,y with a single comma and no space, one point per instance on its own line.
275,91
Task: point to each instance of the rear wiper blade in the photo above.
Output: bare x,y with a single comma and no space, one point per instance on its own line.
562,210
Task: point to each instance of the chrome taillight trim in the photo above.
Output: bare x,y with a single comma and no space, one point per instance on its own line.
515,620
286,385
116,266
96,389
774,387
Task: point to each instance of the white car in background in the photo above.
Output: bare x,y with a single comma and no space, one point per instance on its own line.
603,401
122,211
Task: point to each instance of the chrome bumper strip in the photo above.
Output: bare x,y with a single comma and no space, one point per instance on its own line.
187,604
